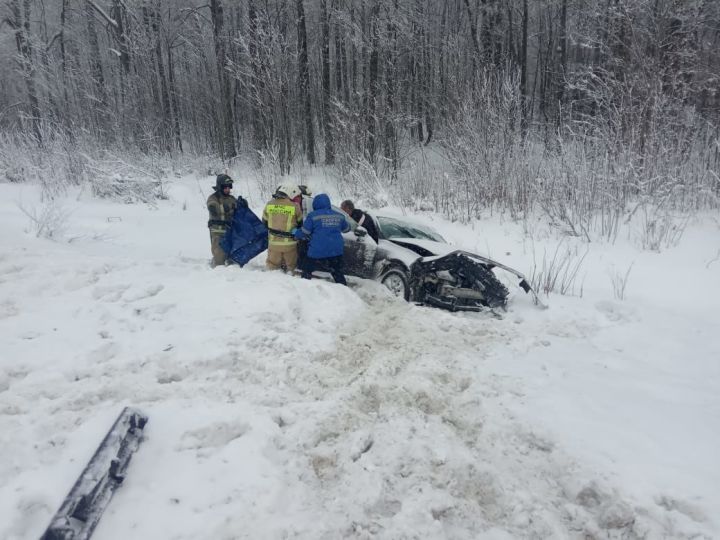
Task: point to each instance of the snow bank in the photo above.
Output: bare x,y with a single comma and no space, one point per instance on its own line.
286,408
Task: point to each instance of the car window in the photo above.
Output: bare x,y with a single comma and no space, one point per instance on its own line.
394,228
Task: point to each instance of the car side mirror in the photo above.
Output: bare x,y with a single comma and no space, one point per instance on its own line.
360,232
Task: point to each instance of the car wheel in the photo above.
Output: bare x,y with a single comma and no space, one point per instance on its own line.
396,280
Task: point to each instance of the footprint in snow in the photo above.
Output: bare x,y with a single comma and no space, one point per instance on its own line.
80,281
688,509
103,353
33,508
614,311
10,270
109,293
8,309
155,312
135,295
212,436
169,377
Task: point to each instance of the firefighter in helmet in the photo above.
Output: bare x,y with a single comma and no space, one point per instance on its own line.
221,206
281,215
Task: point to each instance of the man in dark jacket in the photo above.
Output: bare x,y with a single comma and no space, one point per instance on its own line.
363,219
324,226
221,206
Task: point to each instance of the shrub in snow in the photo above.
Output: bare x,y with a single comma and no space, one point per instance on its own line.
619,282
267,172
130,179
558,273
48,220
360,179
585,176
660,229
64,161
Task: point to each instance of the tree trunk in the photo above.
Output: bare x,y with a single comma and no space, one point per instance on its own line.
490,28
164,89
24,47
371,145
119,16
256,89
474,35
560,83
304,79
174,99
390,137
420,83
120,34
326,97
63,60
228,129
524,71
95,63
341,66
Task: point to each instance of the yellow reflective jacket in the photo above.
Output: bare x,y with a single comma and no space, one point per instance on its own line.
281,215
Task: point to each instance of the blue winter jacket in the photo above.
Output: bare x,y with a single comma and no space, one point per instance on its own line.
324,226
247,237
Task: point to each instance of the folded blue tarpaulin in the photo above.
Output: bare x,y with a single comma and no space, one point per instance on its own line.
246,238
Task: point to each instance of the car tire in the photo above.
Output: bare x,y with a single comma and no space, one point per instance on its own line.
396,280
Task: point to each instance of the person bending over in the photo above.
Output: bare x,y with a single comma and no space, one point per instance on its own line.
324,227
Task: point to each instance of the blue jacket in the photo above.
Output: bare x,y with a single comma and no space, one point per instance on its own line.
324,226
247,237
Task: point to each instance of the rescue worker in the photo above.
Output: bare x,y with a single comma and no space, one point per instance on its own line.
363,219
324,226
281,215
221,206
305,201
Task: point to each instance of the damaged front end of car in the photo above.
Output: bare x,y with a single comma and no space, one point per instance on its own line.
462,281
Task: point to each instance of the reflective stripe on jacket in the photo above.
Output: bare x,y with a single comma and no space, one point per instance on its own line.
281,215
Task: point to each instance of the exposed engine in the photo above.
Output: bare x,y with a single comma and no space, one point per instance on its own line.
457,282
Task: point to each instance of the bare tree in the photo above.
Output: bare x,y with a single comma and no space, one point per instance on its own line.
326,94
304,82
379,80
227,119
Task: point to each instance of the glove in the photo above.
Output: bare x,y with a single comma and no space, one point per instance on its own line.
242,203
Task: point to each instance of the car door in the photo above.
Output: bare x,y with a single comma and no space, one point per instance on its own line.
360,251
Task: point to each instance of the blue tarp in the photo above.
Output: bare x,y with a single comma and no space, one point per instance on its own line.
247,238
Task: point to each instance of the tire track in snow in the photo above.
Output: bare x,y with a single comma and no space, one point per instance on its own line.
401,431
416,441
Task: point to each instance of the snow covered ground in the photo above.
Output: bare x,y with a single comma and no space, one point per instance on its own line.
284,408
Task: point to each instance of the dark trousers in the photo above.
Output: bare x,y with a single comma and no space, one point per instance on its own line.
334,265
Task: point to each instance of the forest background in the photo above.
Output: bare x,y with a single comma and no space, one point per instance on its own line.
591,112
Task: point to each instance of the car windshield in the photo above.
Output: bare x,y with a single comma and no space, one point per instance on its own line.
394,228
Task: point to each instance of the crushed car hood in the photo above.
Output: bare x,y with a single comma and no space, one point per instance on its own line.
434,248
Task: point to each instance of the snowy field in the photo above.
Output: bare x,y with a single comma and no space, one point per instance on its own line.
283,408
